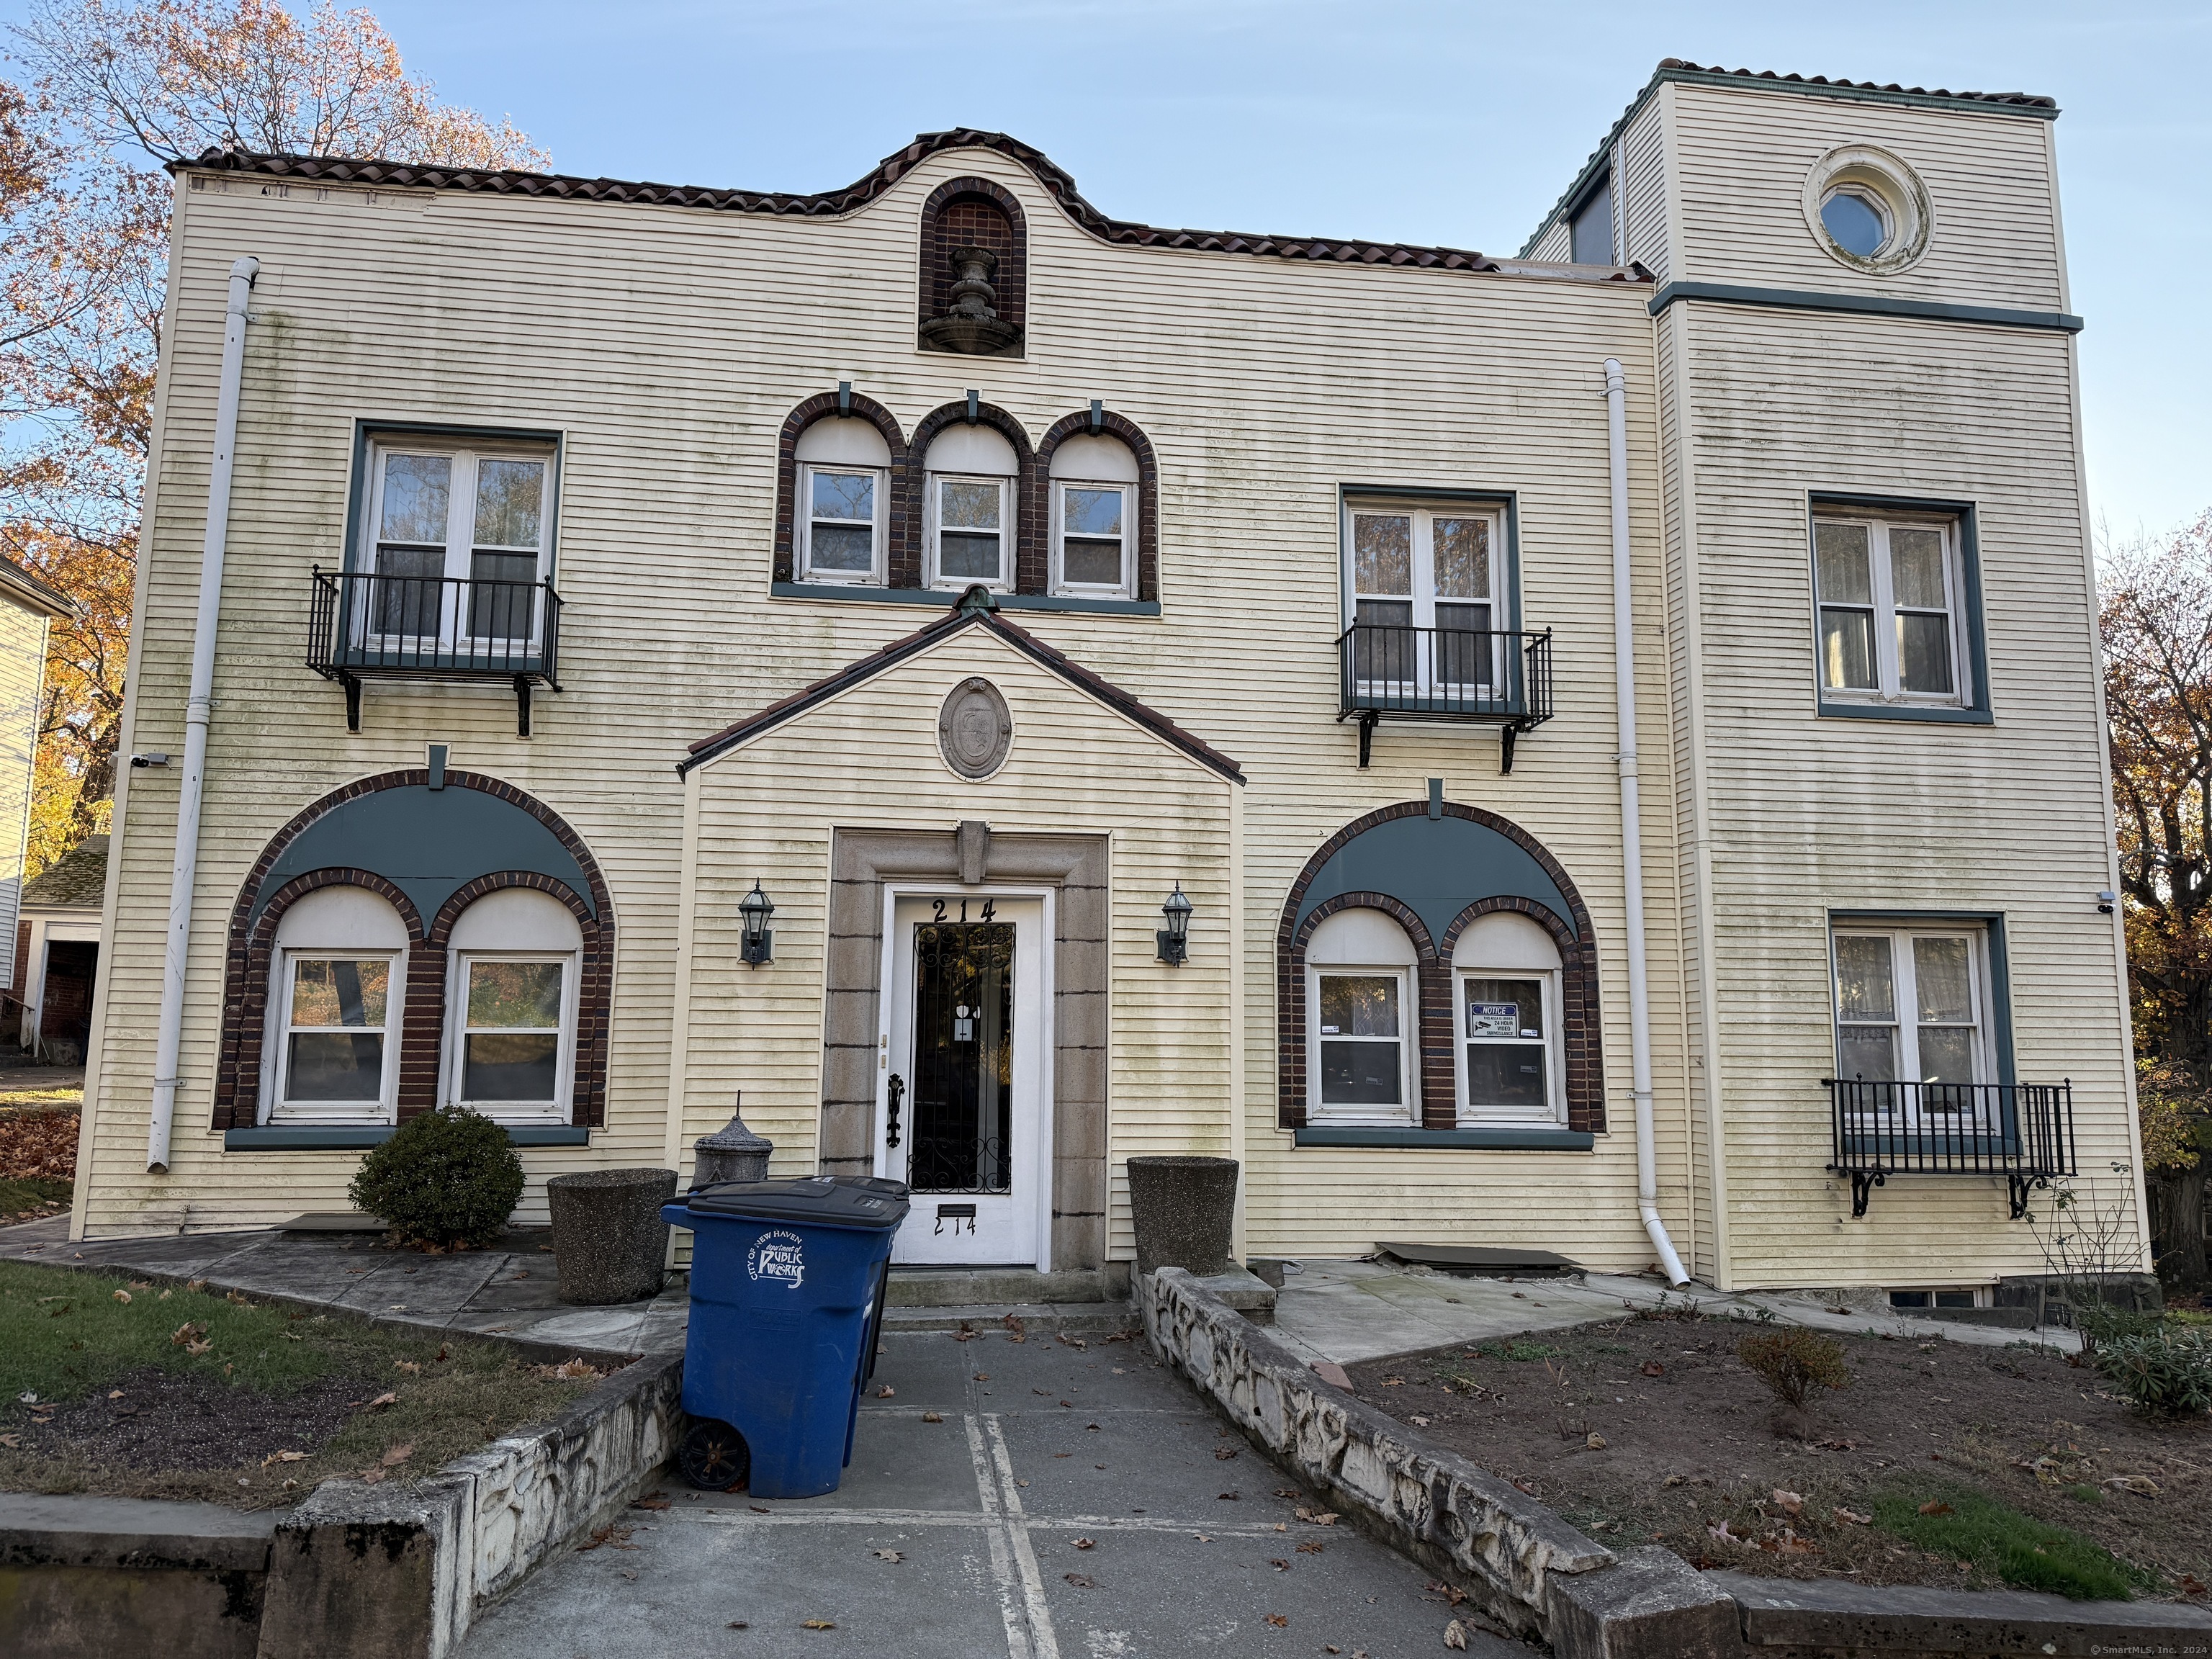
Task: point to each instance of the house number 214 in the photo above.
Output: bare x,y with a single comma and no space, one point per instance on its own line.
989,912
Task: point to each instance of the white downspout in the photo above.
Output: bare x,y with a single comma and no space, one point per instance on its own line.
185,871
1631,831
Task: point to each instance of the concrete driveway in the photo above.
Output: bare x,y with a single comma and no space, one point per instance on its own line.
1043,1445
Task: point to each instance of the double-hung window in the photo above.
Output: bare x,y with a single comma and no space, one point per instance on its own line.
1911,1006
337,1057
512,998
1094,518
843,489
1506,1014
1890,593
1361,1045
457,546
1425,588
967,519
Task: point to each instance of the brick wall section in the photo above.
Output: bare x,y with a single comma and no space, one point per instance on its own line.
973,212
1583,1061
821,407
1034,580
251,943
1026,543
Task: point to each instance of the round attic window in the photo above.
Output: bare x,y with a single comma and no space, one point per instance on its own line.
1868,209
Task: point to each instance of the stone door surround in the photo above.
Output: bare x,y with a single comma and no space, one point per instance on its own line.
860,862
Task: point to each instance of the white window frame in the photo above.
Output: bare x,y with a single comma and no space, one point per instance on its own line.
1407,1113
874,576
935,576
1126,588
276,1070
1904,993
1889,688
1552,1043
453,1072
465,455
1426,674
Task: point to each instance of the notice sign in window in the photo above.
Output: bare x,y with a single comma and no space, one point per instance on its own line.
1493,1019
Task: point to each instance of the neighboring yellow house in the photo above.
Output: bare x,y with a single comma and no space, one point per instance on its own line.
28,608
1486,742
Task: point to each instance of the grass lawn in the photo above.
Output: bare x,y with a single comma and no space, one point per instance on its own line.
113,1385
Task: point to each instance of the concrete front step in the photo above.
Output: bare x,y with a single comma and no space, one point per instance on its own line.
1075,1318
978,1287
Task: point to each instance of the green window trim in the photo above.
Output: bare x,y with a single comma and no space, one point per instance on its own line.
355,1138
1975,710
945,598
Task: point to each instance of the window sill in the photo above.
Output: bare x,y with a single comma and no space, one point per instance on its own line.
1872,711
1501,1139
344,1137
949,597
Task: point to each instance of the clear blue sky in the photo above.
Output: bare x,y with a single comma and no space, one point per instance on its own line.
1391,119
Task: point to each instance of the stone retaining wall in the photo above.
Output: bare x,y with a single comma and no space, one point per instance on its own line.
1531,1570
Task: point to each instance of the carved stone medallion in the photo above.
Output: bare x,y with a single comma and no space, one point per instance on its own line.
975,728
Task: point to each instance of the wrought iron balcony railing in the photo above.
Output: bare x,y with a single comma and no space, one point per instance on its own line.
2022,1131
1501,678
432,628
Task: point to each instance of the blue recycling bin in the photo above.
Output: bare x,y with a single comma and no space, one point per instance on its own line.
787,1297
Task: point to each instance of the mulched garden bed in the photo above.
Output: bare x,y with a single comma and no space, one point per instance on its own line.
112,1385
1941,1463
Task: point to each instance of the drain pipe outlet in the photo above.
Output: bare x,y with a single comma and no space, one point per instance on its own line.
184,871
1631,831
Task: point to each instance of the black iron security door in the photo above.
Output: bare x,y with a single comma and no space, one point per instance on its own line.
963,1057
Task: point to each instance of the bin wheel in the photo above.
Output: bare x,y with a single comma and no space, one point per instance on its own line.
713,1455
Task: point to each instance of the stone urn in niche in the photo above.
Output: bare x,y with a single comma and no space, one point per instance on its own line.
972,326
1183,1210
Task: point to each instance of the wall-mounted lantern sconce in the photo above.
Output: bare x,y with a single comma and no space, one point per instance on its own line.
759,942
1175,938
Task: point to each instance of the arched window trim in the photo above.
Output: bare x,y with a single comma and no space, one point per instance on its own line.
830,405
1580,1013
1038,580
251,944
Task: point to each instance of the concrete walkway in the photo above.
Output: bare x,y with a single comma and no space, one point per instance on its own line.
486,1292
1347,1311
1043,1444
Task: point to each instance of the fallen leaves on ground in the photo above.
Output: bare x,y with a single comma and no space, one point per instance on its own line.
1723,1535
964,1334
1937,1506
1323,1519
12,1442
1451,1593
381,1401
652,1500
1455,1636
1016,1330
933,1417
2142,1485
817,1624
1086,1543
1223,1454
570,1370
612,1536
1279,1621
412,1367
1653,1368
187,1334
1315,1548
122,1295
284,1457
886,1392
38,1145
1852,1517
888,1555
1595,1442
1789,1502
1080,1580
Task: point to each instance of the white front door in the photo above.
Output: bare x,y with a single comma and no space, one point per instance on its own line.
962,1116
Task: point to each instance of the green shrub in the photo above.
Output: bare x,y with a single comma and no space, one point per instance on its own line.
2101,1321
2166,1371
447,1178
1795,1362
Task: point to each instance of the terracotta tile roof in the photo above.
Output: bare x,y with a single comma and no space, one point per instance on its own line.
974,610
78,877
2019,100
332,170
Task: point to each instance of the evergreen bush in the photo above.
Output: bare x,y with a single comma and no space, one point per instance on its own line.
1795,1362
2166,1371
448,1179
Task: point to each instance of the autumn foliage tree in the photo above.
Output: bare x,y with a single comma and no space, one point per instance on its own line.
2156,624
110,92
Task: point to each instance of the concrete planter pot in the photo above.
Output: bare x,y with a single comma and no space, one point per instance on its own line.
1184,1212
610,1244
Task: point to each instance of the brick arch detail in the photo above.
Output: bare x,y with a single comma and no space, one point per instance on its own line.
1583,1064
821,407
252,939
941,233
1148,509
1027,530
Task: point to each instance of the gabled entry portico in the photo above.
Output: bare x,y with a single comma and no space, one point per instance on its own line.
968,838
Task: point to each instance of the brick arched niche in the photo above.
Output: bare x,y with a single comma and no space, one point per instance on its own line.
431,846
1434,869
1034,572
834,405
973,212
